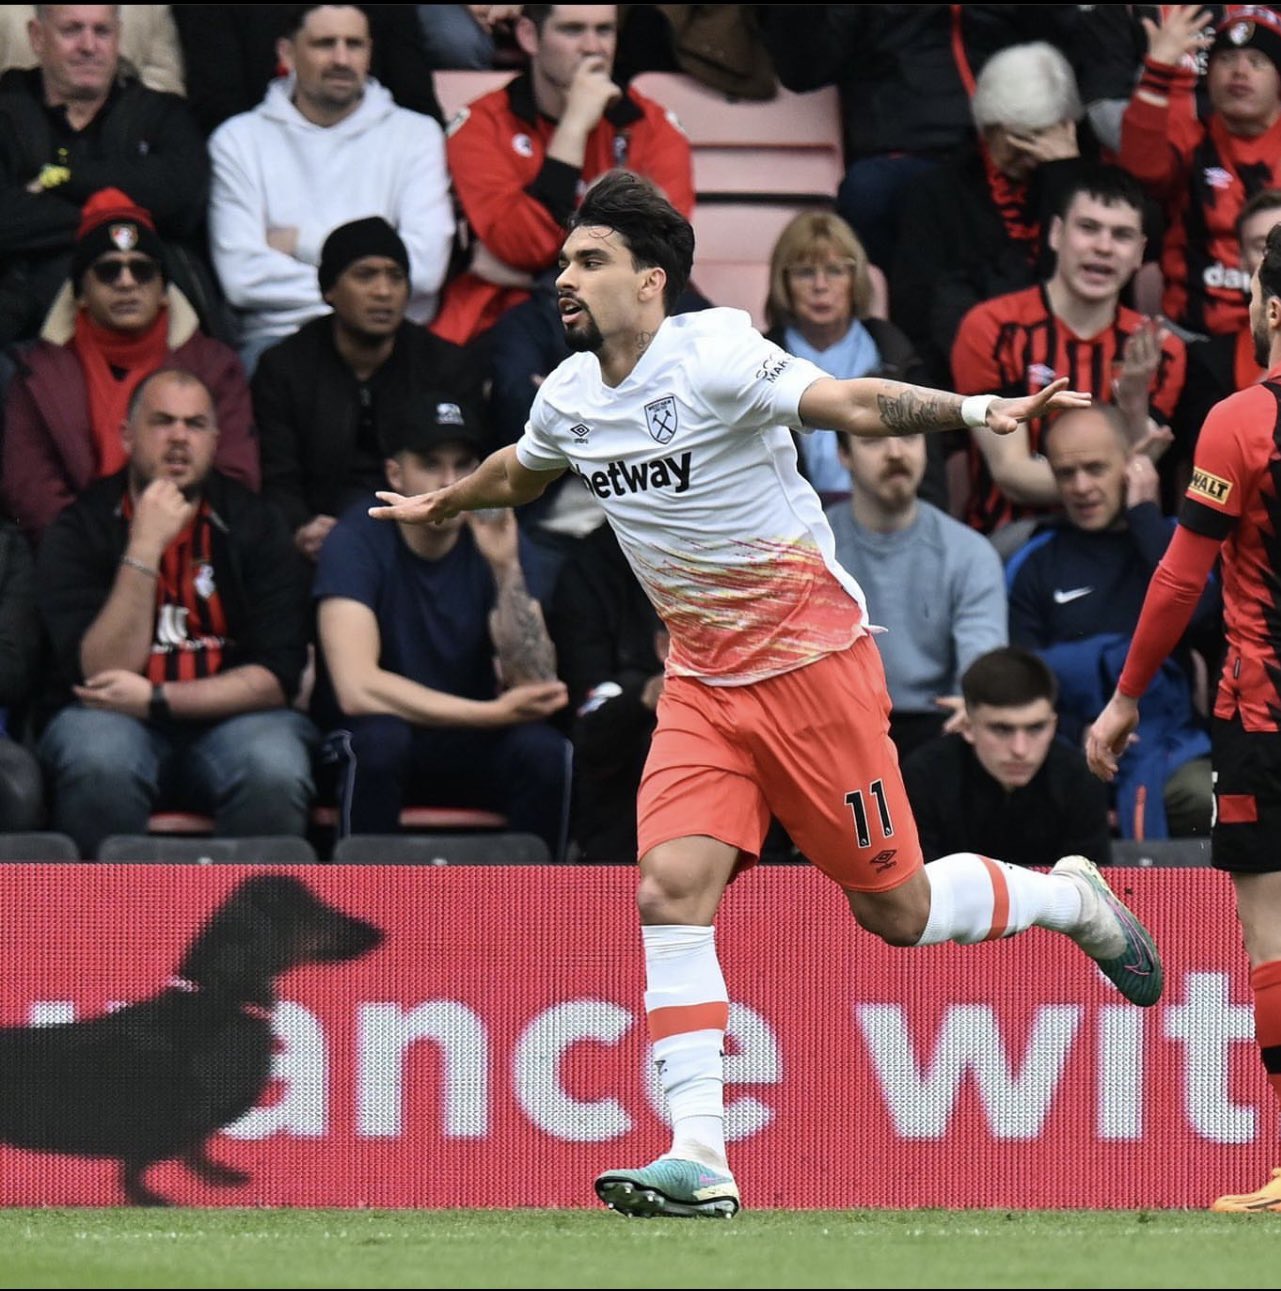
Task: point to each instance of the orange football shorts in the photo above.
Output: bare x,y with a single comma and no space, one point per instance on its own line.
810,746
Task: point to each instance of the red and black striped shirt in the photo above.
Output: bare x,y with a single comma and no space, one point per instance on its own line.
1013,345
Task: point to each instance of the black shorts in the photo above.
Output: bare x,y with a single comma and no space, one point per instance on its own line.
1246,838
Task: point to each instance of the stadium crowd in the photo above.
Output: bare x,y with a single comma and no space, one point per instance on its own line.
249,274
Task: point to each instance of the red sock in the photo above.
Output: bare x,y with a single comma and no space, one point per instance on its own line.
1265,982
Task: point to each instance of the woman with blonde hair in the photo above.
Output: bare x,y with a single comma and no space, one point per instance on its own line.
819,307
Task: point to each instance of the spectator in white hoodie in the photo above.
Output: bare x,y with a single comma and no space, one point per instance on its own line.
327,145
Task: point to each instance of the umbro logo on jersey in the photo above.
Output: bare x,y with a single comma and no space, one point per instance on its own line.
580,431
1064,598
618,478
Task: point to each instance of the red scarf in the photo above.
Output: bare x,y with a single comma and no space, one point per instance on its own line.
100,349
1010,200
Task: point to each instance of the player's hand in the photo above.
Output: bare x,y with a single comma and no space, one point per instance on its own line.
423,508
1111,734
1004,415
530,702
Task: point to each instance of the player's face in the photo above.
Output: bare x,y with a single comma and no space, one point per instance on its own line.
889,470
1088,461
1260,332
330,57
1244,87
432,469
78,47
370,295
598,288
1011,744
173,435
1099,246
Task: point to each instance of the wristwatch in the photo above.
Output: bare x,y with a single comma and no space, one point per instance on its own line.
158,710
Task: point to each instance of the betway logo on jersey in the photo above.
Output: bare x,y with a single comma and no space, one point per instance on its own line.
617,478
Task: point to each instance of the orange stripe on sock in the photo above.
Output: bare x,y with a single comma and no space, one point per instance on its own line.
1000,900
680,1018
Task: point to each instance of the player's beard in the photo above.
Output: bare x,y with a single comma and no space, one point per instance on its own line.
1262,339
585,338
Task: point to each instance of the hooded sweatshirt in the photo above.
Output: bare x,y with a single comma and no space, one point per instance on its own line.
272,168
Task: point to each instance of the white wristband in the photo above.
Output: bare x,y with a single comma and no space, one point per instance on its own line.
974,408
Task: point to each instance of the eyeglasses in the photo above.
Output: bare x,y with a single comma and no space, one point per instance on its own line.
833,272
108,271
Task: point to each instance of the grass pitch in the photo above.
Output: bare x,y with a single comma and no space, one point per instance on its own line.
545,1248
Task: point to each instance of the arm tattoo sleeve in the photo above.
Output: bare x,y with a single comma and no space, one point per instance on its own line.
909,413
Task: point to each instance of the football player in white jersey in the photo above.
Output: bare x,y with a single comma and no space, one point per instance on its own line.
775,699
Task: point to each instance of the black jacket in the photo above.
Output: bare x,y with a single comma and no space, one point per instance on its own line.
958,807
307,409
259,576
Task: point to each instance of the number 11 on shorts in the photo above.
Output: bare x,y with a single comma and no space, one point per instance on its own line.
858,809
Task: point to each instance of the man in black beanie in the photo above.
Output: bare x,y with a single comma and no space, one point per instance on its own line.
321,395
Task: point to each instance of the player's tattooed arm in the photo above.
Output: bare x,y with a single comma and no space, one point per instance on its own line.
873,407
524,648
912,411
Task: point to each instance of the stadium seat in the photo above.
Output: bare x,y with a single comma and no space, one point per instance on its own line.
457,86
732,246
441,849
273,849
426,818
1160,851
38,846
789,147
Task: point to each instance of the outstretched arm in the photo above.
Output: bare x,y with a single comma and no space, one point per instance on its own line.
872,407
499,481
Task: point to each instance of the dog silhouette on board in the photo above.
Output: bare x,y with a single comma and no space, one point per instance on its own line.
155,1080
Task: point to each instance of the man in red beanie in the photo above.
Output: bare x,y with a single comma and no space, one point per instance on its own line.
116,321
1205,172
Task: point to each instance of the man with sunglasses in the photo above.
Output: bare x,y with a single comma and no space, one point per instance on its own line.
116,320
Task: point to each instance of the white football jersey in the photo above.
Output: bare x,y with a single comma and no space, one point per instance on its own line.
692,461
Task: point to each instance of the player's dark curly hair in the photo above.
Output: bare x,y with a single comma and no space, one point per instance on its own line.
656,233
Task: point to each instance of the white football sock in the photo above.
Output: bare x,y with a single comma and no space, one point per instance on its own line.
974,898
